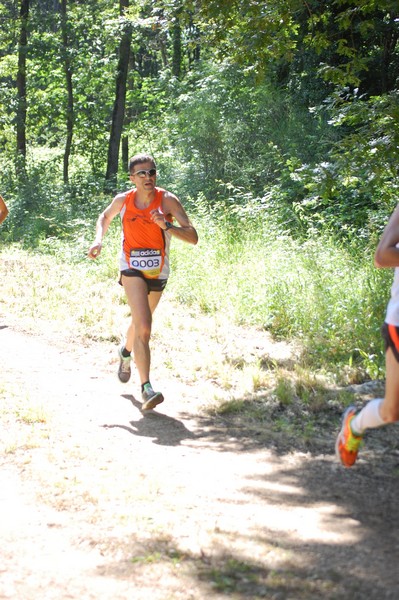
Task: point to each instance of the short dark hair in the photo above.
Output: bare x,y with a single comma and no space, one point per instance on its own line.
140,158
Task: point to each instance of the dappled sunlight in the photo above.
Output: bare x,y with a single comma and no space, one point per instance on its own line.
216,504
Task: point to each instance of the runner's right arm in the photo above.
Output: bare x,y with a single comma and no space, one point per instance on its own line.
103,222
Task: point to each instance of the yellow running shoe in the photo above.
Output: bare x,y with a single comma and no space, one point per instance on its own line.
347,444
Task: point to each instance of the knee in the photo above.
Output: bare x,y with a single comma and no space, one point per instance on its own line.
143,330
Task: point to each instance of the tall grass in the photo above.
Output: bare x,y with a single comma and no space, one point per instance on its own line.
244,269
327,294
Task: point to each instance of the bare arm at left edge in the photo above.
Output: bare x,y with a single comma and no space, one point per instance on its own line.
387,254
3,210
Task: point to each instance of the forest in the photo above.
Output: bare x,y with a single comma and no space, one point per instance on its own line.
276,123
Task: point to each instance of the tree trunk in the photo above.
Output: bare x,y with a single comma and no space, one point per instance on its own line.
177,51
68,79
128,116
118,112
21,88
195,52
389,73
125,151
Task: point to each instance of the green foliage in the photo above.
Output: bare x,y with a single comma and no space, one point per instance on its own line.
244,121
354,39
319,291
276,123
46,209
226,129
351,193
252,32
285,391
324,294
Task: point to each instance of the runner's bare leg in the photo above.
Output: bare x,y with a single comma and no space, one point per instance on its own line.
389,409
142,306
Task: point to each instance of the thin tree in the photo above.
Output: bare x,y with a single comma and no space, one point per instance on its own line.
177,45
118,112
128,116
69,87
21,87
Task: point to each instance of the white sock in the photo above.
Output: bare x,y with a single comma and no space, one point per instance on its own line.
368,418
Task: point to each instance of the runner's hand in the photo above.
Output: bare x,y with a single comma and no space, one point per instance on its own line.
95,250
159,218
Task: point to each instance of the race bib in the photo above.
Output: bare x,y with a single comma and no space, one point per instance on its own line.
146,260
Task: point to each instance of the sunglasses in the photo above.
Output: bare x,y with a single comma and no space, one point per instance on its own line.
144,172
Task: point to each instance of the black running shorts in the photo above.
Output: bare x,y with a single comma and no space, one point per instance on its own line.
153,285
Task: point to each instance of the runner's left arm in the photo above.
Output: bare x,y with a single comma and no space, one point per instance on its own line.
171,205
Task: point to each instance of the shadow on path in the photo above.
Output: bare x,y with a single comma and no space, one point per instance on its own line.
165,430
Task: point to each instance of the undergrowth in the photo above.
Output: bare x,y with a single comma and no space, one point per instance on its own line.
322,295
319,291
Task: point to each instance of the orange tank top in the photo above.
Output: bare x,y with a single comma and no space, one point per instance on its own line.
143,242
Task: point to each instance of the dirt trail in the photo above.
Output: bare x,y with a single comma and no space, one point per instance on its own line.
98,501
